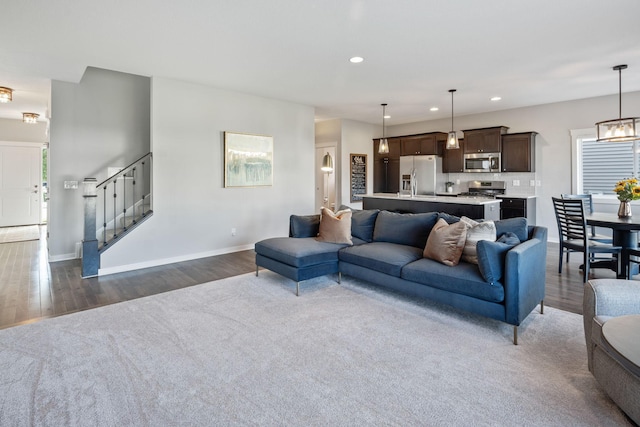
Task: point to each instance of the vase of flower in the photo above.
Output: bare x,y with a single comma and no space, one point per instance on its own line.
627,190
624,211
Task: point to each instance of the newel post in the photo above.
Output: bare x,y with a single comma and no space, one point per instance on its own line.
90,255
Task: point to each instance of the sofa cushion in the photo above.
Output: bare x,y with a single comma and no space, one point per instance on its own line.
463,279
388,258
335,227
404,229
518,226
362,222
304,225
491,257
445,242
448,217
476,231
300,252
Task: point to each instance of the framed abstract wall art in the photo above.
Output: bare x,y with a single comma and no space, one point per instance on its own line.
248,160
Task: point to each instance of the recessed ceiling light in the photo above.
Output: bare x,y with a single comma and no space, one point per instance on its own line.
386,116
356,59
496,98
434,109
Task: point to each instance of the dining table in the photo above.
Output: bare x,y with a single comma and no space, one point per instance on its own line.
625,235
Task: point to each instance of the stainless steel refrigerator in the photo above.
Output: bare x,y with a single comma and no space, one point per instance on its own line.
418,175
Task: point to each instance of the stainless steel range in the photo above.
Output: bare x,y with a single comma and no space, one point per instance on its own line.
485,189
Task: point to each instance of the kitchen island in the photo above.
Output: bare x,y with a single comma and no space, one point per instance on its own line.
472,207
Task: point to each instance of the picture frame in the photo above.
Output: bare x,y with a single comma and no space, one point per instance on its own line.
358,176
248,160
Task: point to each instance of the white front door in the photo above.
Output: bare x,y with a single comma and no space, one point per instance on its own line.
20,169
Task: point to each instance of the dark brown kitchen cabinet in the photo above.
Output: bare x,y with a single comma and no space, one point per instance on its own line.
429,143
486,140
386,167
518,152
515,207
394,148
453,160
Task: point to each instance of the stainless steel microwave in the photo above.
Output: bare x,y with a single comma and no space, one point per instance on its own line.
482,162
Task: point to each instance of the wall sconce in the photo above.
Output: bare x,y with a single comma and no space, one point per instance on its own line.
6,94
30,118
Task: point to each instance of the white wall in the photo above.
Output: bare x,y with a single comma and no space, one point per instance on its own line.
100,122
357,138
553,123
350,137
193,212
18,131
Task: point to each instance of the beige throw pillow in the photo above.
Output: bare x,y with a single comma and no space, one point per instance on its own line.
335,227
445,242
476,231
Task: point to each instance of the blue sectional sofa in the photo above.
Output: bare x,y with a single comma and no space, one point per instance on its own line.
507,284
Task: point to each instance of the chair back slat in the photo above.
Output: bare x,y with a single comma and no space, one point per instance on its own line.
572,224
587,201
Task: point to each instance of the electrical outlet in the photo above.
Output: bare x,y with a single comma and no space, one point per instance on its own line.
233,231
538,183
457,182
532,183
516,182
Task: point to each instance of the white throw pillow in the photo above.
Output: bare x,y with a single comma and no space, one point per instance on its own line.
476,231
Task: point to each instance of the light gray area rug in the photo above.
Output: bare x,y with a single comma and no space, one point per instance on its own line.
247,351
19,234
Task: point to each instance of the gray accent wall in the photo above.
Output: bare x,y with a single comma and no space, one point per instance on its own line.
100,122
193,211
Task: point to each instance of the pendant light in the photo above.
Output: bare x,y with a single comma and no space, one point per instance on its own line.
452,139
383,147
618,130
327,163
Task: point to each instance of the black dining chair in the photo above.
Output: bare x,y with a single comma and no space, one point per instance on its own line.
587,201
574,237
634,258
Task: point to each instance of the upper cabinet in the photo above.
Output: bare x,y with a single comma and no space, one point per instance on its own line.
486,140
518,152
394,148
453,160
427,143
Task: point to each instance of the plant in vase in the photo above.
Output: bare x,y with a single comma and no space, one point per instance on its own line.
627,190
449,186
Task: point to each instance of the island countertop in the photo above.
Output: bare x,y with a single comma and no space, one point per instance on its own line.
459,200
476,208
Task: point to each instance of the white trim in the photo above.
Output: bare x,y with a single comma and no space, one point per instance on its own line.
157,262
62,257
21,144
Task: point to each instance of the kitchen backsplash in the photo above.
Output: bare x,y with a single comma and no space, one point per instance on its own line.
524,179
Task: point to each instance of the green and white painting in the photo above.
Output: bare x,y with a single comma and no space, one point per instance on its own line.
248,160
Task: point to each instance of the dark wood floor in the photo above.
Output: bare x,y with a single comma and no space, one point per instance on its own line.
32,289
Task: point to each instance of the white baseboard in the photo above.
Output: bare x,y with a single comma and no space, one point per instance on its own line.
164,261
62,257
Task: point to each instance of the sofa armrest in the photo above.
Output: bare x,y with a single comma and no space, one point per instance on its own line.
607,297
524,276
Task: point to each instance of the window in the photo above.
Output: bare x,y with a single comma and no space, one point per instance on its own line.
599,165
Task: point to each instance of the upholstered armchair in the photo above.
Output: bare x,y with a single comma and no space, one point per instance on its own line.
605,299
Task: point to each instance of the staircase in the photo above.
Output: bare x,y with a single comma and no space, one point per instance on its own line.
119,204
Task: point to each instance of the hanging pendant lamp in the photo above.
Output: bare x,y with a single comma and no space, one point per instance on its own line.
619,130
383,147
452,139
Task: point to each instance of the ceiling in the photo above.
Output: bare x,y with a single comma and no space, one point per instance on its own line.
529,53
